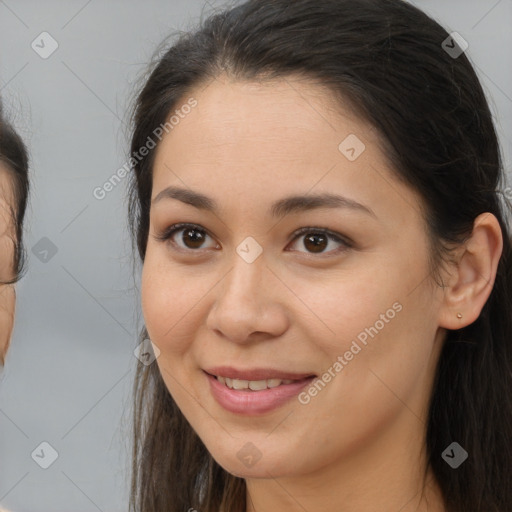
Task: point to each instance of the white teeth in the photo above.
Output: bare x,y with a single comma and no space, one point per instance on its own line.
240,384
254,385
258,385
273,383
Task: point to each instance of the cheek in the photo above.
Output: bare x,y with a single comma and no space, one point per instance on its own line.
354,304
171,305
385,339
375,316
171,302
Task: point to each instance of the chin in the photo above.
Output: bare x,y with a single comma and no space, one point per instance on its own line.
247,461
259,470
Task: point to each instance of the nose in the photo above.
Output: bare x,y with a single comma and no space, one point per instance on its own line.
249,303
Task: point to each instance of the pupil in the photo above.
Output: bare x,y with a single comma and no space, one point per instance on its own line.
195,241
318,242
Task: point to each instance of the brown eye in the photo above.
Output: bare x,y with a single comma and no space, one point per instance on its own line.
317,240
192,237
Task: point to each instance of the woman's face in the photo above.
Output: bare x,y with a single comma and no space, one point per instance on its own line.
7,234
244,295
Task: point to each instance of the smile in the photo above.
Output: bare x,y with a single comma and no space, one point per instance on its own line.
254,385
254,392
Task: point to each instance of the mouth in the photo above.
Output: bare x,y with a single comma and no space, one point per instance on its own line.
253,385
253,392
256,379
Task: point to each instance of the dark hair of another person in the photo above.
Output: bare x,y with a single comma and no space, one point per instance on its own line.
385,59
14,160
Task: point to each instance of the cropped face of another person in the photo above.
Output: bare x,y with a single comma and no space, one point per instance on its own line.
330,271
14,190
7,260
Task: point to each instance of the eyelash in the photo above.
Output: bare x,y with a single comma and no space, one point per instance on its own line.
168,233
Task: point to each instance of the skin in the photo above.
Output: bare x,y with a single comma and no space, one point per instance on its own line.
360,442
7,291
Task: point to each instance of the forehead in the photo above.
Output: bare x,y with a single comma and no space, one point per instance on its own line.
238,124
249,143
291,105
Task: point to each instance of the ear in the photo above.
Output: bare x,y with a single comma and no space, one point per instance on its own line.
473,275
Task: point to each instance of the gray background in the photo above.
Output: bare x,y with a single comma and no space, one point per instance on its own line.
68,375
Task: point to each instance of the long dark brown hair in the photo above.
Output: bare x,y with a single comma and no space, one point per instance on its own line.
386,59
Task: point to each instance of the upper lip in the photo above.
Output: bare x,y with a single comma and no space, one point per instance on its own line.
255,373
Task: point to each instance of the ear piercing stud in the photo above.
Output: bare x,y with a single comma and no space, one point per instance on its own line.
459,315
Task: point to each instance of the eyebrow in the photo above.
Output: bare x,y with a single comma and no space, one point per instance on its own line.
280,208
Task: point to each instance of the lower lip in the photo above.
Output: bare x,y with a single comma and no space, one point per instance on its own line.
252,403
